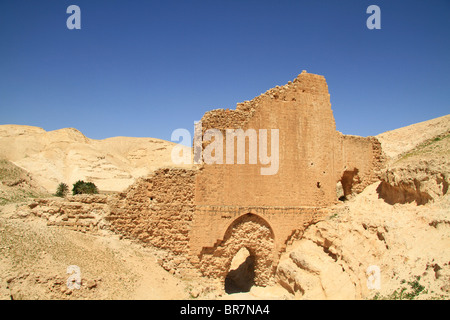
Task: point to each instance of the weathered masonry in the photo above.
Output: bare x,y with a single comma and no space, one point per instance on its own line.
210,211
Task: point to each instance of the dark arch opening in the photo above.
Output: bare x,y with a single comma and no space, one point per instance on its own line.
347,183
242,277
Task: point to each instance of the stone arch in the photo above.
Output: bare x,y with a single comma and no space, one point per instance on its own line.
248,231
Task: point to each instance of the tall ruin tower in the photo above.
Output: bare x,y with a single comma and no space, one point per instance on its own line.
301,112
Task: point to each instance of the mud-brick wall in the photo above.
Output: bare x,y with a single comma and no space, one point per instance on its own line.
83,213
363,158
305,175
157,210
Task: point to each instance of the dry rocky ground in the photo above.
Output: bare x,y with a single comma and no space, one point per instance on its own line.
403,228
35,257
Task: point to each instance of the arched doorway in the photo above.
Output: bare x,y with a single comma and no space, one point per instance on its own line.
241,276
251,234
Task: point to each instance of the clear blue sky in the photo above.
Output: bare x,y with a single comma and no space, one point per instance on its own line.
145,68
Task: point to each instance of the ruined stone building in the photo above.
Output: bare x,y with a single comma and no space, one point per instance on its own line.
209,212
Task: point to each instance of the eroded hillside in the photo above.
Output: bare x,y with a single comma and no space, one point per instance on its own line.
16,184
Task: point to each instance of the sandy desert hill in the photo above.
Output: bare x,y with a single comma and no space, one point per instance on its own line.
400,141
66,155
17,184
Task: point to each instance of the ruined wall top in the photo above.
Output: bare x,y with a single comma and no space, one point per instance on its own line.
304,84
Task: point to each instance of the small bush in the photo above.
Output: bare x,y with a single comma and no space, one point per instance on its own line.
405,293
62,190
81,187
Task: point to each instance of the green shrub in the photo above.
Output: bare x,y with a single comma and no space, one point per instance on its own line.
405,293
62,190
81,187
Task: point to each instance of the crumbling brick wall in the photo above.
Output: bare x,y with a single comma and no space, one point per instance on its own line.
85,213
301,111
360,161
158,209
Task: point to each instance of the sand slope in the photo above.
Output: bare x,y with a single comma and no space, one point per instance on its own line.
402,140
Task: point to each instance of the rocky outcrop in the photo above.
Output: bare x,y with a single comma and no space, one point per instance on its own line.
406,242
421,175
405,185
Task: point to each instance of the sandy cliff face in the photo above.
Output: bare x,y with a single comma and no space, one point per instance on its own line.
406,241
66,155
419,169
